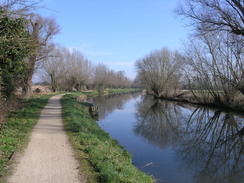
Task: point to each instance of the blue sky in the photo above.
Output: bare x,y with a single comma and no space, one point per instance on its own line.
116,32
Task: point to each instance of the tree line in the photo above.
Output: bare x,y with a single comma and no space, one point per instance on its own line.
26,44
70,70
212,63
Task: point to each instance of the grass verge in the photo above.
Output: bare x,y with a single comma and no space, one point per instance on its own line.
126,90
95,147
14,133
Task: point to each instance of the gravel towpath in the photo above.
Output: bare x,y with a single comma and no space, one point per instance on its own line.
48,157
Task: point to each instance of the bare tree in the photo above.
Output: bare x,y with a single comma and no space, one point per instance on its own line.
101,78
18,8
105,77
215,68
215,15
159,72
68,69
80,70
54,66
42,31
215,55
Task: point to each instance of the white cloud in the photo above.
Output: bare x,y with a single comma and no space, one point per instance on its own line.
83,48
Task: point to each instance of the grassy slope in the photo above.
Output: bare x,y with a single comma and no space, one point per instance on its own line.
15,131
95,147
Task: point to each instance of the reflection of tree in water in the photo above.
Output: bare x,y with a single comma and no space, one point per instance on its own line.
158,121
107,104
209,142
212,142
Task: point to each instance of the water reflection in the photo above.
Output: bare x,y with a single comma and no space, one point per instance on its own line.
212,142
209,142
158,121
107,104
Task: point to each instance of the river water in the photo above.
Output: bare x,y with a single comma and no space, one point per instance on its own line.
176,143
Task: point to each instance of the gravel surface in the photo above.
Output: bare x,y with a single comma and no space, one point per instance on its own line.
48,157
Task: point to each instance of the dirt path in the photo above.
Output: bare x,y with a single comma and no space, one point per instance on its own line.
49,156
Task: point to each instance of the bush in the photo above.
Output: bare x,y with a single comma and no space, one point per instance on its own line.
8,87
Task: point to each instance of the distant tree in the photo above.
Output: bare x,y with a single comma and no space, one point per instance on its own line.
54,67
80,70
122,80
101,78
159,72
68,69
214,15
107,78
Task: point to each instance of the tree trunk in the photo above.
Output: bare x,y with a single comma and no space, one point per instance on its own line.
101,89
28,80
27,88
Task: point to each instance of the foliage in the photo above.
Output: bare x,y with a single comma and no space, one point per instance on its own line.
15,131
14,48
1,82
14,45
8,86
111,162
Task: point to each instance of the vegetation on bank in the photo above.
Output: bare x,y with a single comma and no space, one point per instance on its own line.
127,90
204,98
15,131
96,149
106,92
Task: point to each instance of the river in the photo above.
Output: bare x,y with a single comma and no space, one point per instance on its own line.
176,143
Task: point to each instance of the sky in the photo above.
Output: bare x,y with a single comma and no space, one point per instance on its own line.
116,32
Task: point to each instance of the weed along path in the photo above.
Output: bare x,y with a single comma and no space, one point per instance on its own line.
48,157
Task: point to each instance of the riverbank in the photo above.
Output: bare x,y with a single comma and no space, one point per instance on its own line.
127,90
15,132
204,99
106,92
95,149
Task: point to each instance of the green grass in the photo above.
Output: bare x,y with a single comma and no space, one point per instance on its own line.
119,90
88,92
15,131
95,147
